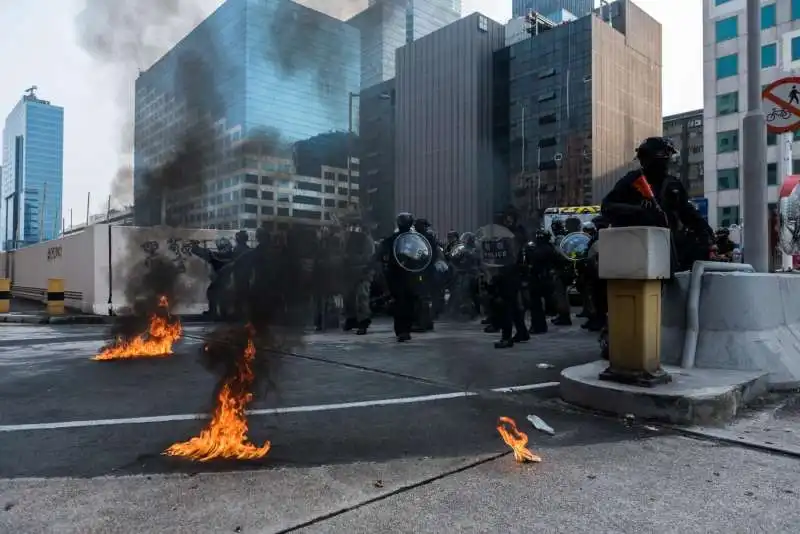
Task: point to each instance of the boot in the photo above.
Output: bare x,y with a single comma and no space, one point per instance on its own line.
504,344
521,337
403,338
349,324
562,320
362,328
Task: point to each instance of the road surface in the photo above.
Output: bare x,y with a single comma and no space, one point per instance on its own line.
368,435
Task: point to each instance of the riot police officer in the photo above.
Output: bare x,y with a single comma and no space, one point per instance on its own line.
507,283
650,196
400,281
219,260
540,258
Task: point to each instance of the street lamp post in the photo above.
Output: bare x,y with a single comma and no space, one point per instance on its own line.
351,96
754,151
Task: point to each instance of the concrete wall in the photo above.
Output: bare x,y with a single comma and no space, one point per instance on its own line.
82,260
747,322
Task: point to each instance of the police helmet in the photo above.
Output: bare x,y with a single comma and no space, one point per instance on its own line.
404,221
224,244
656,148
468,238
452,235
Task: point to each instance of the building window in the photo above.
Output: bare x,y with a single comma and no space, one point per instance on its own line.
250,193
796,166
546,142
727,29
328,175
304,199
720,2
727,216
547,73
267,195
727,141
727,179
266,180
795,48
251,179
483,23
769,55
267,210
548,119
772,174
547,96
772,139
768,16
728,103
795,13
250,208
727,66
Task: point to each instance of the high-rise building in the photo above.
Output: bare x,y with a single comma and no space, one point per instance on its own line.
686,132
445,157
219,116
376,145
725,97
386,25
579,8
32,173
582,95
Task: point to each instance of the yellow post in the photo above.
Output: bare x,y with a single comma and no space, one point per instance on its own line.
634,261
5,295
55,296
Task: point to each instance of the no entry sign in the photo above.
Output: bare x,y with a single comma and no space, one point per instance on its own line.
781,105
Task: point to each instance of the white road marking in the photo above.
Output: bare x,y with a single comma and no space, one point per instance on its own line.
270,411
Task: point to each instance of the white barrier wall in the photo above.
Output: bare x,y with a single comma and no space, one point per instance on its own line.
83,260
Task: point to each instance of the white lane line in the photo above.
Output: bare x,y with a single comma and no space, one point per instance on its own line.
270,411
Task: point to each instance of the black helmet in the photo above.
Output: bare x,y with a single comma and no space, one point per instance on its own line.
656,148
452,235
468,238
242,237
405,221
542,236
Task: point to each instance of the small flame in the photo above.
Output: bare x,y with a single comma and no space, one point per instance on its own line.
226,435
161,335
516,440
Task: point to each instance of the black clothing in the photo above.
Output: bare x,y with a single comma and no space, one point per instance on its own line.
401,284
669,207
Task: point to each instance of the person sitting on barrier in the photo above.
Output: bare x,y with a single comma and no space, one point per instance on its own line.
650,196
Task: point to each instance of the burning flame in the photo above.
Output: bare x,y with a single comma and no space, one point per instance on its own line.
516,440
226,435
158,340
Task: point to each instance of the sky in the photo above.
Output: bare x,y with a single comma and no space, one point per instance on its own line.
46,51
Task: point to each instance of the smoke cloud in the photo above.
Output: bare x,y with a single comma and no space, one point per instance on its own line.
127,37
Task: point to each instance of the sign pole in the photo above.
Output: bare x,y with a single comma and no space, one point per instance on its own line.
786,172
754,152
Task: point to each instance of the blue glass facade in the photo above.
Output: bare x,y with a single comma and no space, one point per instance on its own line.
579,8
253,66
386,25
33,173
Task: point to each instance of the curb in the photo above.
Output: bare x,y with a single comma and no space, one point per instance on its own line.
695,397
80,319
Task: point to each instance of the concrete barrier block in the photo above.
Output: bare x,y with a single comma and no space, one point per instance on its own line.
634,253
748,322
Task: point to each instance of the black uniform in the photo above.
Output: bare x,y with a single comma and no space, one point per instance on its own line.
651,197
218,260
507,283
401,283
540,259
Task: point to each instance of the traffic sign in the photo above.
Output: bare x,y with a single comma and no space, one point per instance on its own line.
781,105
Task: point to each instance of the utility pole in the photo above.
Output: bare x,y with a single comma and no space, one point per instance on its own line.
754,152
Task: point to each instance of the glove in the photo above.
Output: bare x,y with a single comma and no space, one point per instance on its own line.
441,266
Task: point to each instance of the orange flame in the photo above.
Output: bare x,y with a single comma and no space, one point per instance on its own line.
516,440
226,435
643,187
158,340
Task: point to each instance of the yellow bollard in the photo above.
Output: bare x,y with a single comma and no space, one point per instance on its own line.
5,295
55,296
634,261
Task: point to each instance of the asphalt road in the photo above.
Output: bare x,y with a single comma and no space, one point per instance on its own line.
347,455
47,379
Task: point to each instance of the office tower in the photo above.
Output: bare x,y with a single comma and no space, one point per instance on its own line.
32,172
582,96
220,116
579,8
444,167
686,132
386,25
725,98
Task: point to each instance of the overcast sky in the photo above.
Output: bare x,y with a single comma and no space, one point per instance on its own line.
41,47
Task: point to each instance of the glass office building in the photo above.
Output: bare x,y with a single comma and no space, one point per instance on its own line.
234,96
579,8
387,25
32,173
